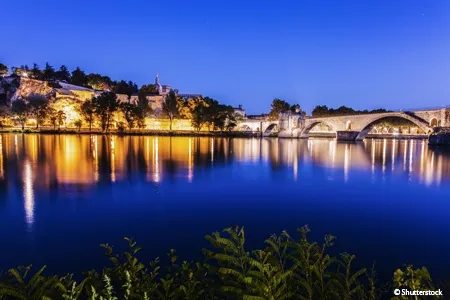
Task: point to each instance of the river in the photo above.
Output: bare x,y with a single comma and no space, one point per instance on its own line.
386,201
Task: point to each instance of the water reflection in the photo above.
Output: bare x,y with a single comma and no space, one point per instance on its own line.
44,161
28,193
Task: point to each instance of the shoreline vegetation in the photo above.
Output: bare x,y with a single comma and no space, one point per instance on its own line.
289,267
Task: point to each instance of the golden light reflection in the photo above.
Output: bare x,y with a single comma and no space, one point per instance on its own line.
84,159
94,147
212,149
113,159
28,193
190,161
156,175
1,158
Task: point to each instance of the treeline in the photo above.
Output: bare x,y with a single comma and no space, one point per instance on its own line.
287,268
99,112
324,111
77,77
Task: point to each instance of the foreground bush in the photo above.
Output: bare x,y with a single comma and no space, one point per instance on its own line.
287,268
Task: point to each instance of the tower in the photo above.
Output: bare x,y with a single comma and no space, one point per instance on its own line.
157,84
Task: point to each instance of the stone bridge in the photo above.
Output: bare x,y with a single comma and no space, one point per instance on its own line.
356,127
349,127
262,126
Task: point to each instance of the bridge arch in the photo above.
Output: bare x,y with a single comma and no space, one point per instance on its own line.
270,127
305,132
368,126
245,128
434,122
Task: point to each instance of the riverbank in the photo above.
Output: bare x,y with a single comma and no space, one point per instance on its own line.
136,132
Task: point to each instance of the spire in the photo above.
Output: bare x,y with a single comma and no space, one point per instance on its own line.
157,78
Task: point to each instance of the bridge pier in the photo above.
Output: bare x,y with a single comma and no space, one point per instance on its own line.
346,135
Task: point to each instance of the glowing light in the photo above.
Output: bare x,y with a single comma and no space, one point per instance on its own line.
384,156
411,145
1,157
113,160
405,151
28,193
95,156
346,161
393,153
332,152
156,175
373,156
190,162
212,149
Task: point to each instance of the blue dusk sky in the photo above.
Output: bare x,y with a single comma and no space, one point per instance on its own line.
365,54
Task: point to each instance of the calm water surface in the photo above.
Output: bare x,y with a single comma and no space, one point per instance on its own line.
61,196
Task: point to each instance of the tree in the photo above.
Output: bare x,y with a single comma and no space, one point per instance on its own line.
79,77
49,72
130,113
99,82
143,110
148,89
224,118
320,111
4,112
123,87
78,124
21,71
171,106
87,110
104,107
59,118
21,110
38,108
35,72
195,109
63,74
4,70
278,106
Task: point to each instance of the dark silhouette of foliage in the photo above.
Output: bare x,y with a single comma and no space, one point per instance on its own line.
36,72
4,70
287,268
171,106
49,72
324,111
79,77
39,108
87,110
63,74
21,110
278,106
105,105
